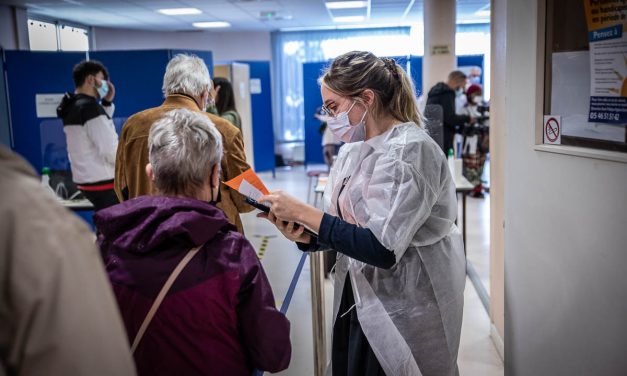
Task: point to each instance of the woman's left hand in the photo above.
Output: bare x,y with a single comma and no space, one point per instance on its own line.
290,230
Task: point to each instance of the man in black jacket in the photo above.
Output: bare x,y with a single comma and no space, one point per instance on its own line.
444,94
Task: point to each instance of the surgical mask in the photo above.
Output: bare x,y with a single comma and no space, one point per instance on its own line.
474,79
103,90
459,92
341,127
478,99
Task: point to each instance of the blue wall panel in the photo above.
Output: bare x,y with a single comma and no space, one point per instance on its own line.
415,63
472,60
261,106
207,56
312,100
137,76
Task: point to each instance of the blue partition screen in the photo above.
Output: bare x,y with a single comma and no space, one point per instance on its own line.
28,74
261,107
137,76
312,100
207,56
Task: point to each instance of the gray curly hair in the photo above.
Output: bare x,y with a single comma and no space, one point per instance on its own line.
186,74
183,146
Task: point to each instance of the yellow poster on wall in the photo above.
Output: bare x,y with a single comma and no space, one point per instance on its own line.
607,21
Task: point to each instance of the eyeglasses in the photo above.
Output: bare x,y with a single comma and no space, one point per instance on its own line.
326,111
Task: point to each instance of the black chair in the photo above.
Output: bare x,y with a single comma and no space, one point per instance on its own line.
433,115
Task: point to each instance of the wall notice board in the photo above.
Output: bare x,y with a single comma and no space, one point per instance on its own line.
586,65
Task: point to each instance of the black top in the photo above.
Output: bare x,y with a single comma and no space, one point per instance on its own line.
443,95
353,241
78,109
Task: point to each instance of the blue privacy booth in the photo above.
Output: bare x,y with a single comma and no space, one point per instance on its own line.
137,76
261,108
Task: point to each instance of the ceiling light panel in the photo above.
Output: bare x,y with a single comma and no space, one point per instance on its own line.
211,24
346,4
347,19
179,11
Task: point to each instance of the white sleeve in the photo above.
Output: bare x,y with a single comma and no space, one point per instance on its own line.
109,110
400,197
102,134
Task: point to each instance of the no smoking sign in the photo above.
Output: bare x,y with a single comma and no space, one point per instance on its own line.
552,129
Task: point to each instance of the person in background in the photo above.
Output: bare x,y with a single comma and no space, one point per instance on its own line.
186,84
219,318
476,140
58,315
444,94
224,102
390,210
330,143
90,133
474,76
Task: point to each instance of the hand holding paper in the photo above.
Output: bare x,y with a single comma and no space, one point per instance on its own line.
286,212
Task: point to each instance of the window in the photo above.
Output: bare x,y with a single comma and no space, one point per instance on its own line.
42,36
48,36
73,38
578,73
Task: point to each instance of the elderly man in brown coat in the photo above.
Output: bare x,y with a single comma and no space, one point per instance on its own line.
186,84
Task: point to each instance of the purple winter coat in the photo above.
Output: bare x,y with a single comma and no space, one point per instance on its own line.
219,317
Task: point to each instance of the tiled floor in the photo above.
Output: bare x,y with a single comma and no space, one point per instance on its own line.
477,354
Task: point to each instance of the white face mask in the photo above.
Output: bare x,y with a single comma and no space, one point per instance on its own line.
477,100
341,126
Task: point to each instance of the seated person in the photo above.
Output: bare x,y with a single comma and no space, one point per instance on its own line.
219,317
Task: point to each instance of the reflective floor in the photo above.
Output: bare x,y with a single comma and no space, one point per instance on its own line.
280,257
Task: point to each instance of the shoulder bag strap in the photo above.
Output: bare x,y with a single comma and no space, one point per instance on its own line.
164,290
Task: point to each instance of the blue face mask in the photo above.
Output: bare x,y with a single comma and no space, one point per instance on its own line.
103,90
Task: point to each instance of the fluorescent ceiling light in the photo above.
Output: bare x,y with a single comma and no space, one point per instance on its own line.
349,19
179,11
211,24
346,4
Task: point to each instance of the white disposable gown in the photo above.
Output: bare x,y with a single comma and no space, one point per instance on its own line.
398,185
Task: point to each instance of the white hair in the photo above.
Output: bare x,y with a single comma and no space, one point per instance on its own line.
186,74
183,146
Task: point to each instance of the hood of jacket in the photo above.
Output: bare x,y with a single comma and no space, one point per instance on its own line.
441,89
149,223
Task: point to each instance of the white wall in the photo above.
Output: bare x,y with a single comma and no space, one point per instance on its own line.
7,30
226,46
13,28
565,234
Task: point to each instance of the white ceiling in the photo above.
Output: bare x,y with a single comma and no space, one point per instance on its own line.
242,14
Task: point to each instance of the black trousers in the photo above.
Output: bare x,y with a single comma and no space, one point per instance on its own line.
351,352
101,199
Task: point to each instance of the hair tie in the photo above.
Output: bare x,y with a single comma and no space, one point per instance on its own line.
390,64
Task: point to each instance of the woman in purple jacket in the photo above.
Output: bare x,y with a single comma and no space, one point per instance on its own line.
219,316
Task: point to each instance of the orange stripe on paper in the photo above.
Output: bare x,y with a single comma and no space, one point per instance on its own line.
251,178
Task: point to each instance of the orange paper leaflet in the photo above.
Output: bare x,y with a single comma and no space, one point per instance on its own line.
248,184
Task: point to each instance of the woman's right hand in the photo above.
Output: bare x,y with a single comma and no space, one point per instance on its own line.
290,230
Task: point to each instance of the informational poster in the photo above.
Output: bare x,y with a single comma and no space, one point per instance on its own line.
607,23
46,105
255,86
